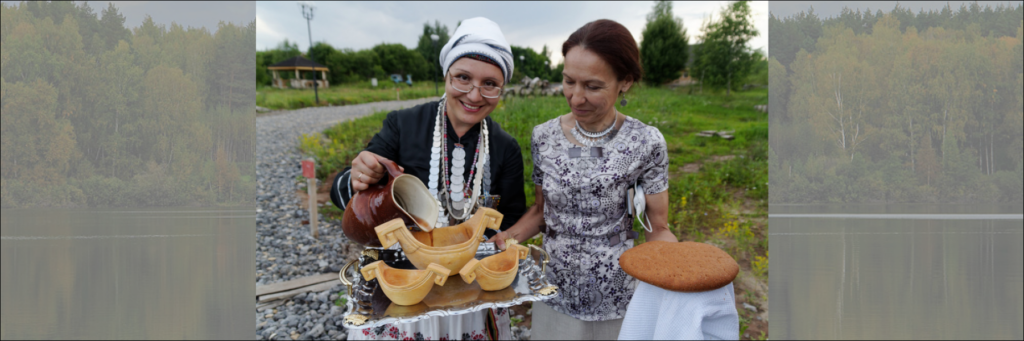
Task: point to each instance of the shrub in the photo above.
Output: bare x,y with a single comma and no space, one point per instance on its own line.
103,191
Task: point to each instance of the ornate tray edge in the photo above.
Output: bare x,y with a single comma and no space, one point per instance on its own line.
355,321
348,322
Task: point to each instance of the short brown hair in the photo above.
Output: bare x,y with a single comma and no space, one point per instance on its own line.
613,43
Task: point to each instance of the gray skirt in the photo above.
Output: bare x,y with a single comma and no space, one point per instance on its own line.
548,324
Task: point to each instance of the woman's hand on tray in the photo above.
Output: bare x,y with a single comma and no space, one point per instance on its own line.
499,240
527,226
367,170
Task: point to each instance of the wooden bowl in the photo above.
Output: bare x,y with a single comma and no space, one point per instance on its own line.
405,287
497,271
451,247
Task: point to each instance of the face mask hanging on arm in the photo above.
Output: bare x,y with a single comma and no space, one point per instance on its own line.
637,205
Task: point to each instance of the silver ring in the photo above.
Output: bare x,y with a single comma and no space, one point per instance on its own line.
360,177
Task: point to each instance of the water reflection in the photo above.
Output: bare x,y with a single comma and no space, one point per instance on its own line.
873,277
173,273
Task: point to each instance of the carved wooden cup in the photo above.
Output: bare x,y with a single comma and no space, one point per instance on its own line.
405,287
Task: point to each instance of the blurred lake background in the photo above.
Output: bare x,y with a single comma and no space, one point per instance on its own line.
896,170
127,180
147,273
920,271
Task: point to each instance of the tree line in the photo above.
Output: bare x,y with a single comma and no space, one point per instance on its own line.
721,58
897,107
724,59
95,113
382,60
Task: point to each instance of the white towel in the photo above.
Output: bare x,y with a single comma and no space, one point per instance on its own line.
658,314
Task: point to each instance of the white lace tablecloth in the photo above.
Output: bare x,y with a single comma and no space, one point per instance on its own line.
658,314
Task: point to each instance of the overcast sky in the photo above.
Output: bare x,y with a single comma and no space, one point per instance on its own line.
830,9
361,25
185,13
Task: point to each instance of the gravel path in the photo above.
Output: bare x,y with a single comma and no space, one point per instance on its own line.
285,250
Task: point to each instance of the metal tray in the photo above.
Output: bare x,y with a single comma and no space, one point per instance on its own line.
368,307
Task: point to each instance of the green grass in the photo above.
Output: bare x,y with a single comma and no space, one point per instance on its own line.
335,148
342,94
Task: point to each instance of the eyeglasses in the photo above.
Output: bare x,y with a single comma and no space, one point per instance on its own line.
463,85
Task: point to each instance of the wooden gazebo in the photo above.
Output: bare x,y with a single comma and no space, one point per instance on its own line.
296,64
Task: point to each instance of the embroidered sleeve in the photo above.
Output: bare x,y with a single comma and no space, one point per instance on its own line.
341,188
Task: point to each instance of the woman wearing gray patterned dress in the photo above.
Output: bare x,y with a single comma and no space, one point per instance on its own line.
584,164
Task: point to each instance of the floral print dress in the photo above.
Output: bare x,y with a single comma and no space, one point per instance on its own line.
585,213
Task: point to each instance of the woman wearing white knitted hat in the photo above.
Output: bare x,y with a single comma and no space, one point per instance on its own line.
440,142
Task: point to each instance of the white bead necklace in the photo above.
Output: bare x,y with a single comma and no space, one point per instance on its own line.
456,183
590,139
597,134
455,194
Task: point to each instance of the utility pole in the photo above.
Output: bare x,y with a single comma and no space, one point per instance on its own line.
307,12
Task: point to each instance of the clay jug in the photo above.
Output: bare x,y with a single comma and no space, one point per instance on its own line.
398,195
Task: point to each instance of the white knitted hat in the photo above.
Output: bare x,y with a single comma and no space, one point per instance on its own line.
478,36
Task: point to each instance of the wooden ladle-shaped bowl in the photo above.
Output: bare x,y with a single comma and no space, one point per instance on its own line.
405,287
451,247
496,272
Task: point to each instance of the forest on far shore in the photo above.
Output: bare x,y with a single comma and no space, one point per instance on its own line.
897,107
98,114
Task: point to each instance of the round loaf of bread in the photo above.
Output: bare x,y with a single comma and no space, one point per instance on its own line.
684,267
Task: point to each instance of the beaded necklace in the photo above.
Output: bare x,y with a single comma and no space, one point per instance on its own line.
593,139
458,209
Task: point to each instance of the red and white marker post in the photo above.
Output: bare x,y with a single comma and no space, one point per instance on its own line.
309,171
